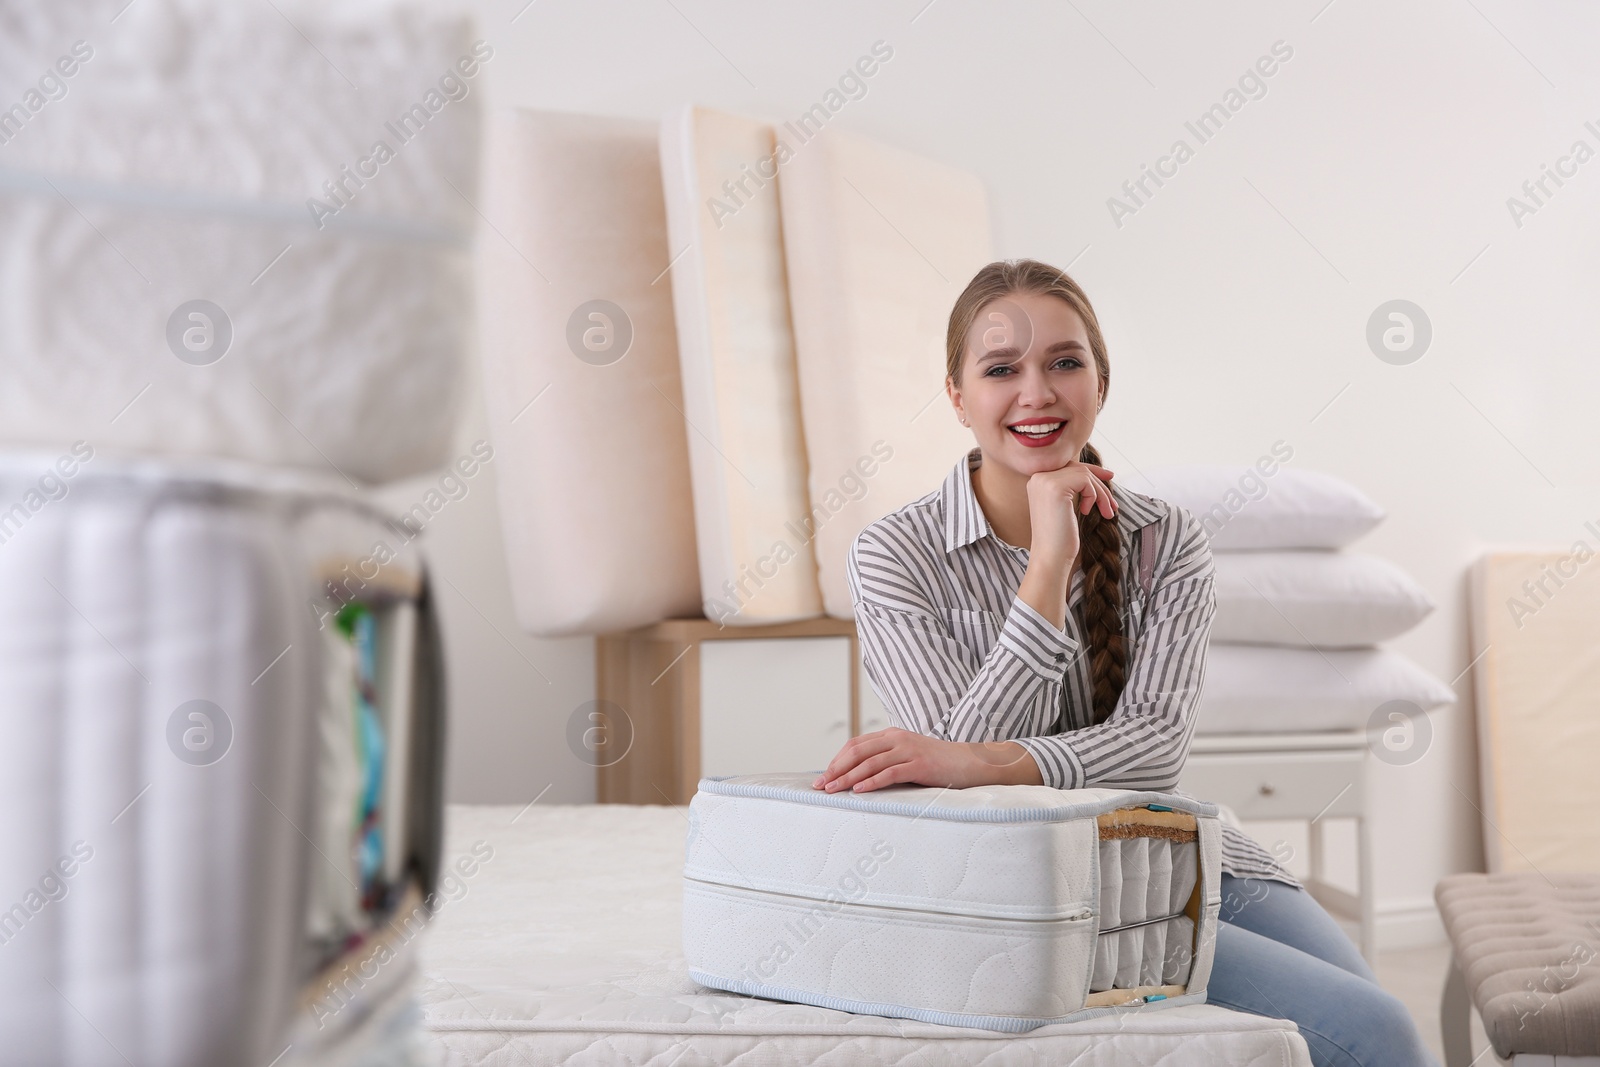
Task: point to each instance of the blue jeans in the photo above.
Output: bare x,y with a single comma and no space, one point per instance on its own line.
1280,955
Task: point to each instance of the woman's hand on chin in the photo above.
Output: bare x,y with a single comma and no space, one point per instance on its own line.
896,756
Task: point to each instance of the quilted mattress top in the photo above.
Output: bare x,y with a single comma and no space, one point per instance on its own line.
1013,852
993,804
565,946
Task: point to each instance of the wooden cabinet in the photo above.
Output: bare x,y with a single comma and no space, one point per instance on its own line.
1304,777
686,698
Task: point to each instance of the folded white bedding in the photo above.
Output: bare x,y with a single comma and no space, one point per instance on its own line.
567,948
168,174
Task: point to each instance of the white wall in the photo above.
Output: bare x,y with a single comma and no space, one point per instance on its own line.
1235,301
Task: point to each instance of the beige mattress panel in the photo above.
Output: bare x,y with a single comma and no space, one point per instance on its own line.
879,242
1536,628
592,455
736,347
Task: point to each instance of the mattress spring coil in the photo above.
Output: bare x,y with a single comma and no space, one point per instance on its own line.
1141,922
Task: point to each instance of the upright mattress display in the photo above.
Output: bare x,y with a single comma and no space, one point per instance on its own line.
581,375
167,657
1535,627
1000,907
878,243
736,349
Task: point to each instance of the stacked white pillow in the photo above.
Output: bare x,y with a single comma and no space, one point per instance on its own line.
1294,645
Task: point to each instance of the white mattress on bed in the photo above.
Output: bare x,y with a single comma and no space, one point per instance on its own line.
565,947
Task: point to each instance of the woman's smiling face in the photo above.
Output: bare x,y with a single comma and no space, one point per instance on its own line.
1027,366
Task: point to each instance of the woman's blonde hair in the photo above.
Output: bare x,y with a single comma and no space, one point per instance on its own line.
1100,547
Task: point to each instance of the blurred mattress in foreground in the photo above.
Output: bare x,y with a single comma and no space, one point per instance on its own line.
237,230
234,288
221,775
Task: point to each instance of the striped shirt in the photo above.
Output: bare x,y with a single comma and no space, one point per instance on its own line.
954,653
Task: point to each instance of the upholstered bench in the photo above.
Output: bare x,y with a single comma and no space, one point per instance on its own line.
1527,954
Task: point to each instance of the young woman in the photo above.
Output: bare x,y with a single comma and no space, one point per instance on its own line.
1002,624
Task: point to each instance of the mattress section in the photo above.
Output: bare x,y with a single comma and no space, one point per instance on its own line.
1038,869
1039,903
1536,643
1145,937
878,243
193,281
993,973
162,663
581,375
595,973
356,66
741,399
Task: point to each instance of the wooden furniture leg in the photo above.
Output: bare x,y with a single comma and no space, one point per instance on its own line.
1455,1018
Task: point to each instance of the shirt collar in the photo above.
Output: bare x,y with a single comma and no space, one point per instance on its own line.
964,521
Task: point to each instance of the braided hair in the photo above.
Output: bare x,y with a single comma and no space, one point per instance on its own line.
1100,549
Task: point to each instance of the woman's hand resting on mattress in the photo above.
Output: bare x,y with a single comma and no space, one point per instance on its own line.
895,756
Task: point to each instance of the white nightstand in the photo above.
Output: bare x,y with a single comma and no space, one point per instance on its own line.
1295,776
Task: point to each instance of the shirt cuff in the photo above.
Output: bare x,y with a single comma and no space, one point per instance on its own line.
1035,641
1058,764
